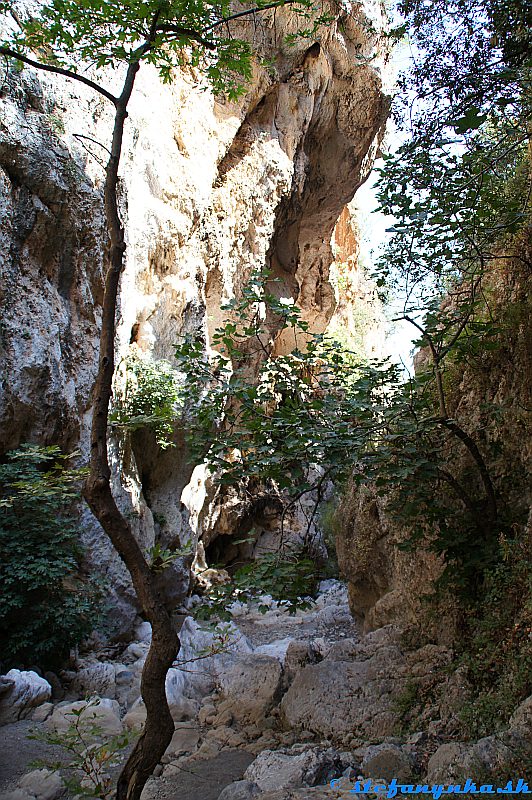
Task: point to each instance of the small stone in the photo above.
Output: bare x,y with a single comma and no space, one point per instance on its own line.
124,678
209,749
184,709
136,716
184,740
386,761
134,652
239,790
224,719
206,712
42,713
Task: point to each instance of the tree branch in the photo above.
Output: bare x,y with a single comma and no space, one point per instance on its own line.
6,51
435,360
481,464
189,33
246,13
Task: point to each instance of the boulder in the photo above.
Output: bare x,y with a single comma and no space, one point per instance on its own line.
20,693
42,713
449,763
136,716
251,686
386,761
98,716
346,700
521,720
42,784
16,794
298,655
184,740
239,790
181,708
95,680
295,767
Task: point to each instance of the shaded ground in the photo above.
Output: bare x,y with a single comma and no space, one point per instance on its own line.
204,780
18,752
201,779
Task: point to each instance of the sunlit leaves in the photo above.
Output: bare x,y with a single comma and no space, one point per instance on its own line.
450,186
167,34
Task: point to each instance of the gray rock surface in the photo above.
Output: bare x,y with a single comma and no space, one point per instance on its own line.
95,680
210,190
386,761
347,699
101,714
20,693
42,784
251,686
295,767
240,790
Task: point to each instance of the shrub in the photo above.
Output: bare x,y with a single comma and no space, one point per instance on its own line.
290,579
150,398
47,606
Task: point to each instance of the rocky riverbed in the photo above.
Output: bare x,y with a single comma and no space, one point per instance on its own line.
274,706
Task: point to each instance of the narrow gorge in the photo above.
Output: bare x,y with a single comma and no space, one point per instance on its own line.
342,542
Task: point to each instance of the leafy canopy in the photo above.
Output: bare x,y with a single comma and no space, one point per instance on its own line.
458,186
165,33
150,398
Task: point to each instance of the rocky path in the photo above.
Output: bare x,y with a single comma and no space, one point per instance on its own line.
291,703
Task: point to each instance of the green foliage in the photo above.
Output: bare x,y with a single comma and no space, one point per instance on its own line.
328,525
320,415
47,607
274,427
458,188
70,33
90,754
288,579
159,557
151,398
465,107
496,647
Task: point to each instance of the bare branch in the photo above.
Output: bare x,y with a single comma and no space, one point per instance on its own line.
6,51
189,33
246,13
90,139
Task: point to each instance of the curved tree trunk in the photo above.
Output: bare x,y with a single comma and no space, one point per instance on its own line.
165,645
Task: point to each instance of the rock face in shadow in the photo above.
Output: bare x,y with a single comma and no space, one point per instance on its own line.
209,191
349,696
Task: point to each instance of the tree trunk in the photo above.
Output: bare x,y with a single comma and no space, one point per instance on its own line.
165,644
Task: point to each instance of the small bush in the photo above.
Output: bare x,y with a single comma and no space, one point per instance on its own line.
47,607
151,398
497,644
290,580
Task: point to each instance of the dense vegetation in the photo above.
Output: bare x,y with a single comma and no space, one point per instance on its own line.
459,188
47,606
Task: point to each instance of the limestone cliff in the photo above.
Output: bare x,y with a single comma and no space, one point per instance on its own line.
209,191
488,393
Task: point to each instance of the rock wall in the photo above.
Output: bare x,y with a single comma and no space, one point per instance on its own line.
209,191
489,396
